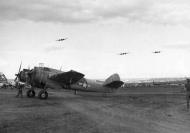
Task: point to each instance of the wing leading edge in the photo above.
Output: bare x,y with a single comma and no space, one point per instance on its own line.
69,77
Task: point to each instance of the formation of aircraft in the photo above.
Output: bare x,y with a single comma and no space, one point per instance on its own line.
61,39
125,53
44,78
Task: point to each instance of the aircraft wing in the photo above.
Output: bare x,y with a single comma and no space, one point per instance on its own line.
69,77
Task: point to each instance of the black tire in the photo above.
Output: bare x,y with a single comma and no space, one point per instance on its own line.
30,93
43,94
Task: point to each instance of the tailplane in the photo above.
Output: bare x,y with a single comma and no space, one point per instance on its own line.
113,81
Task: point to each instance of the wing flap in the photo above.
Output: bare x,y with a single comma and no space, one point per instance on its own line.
69,77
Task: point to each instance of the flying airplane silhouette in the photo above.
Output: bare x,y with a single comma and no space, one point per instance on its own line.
156,52
61,39
125,53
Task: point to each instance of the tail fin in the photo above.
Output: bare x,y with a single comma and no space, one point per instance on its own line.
113,81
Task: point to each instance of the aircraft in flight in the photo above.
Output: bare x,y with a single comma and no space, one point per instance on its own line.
124,53
61,39
44,78
156,52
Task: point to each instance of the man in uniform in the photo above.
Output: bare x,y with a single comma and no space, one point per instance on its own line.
19,86
187,87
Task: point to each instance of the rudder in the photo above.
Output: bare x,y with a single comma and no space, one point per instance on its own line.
113,81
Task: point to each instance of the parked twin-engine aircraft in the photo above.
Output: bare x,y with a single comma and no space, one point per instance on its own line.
44,78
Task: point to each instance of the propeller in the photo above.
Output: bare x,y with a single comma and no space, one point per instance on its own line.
18,74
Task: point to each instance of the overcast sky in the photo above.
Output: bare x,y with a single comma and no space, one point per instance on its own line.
97,31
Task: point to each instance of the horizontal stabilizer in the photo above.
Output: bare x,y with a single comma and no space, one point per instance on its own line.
69,77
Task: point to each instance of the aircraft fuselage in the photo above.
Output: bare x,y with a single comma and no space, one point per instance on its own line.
40,78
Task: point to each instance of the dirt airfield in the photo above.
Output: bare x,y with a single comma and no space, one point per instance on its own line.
123,112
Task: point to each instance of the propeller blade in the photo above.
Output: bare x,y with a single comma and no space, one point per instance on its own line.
20,67
17,75
15,78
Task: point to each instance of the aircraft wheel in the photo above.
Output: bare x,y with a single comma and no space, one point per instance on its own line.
43,94
30,93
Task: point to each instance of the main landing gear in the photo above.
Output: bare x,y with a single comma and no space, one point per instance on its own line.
43,94
75,92
30,93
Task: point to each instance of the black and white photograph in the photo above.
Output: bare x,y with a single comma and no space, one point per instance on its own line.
94,66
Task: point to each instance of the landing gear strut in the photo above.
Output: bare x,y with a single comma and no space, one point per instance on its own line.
43,94
30,93
75,92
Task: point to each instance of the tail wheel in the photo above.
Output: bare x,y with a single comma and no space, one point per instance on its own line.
43,94
30,93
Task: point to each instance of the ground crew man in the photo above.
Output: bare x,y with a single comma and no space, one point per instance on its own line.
187,87
19,86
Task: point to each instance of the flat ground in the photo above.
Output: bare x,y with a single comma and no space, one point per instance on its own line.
64,112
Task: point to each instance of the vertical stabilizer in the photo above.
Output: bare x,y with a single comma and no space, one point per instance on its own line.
113,81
